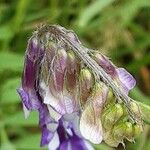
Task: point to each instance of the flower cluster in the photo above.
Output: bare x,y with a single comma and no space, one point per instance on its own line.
74,105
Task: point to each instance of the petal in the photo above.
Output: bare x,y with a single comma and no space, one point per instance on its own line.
47,136
54,114
75,143
71,121
61,94
46,62
54,143
33,56
30,99
90,126
61,60
90,123
25,98
78,143
71,62
98,97
69,102
28,92
54,102
57,78
44,116
70,95
127,80
105,63
54,93
73,37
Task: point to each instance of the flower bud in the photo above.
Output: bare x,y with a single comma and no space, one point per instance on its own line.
110,99
61,60
70,90
50,51
71,62
57,77
112,115
56,83
105,63
86,79
123,130
129,131
137,129
71,71
109,139
98,97
136,111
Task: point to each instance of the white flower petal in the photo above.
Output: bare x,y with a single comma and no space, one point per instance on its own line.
54,143
90,126
54,114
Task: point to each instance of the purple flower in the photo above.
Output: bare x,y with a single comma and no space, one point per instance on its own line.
66,93
123,78
57,106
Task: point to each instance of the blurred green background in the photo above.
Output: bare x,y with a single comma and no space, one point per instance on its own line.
118,28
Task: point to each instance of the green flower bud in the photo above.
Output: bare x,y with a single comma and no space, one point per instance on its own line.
86,75
137,130
134,107
123,130
110,99
112,115
109,139
129,131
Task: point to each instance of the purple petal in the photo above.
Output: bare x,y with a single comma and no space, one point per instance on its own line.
28,92
33,56
61,100
29,99
105,63
57,77
47,136
44,116
75,143
73,37
128,82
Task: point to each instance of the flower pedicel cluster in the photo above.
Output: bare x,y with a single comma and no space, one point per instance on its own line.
78,93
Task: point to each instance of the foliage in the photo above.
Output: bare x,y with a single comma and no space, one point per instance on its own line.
118,28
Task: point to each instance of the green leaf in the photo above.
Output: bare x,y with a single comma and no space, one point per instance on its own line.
8,92
19,120
92,10
10,61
